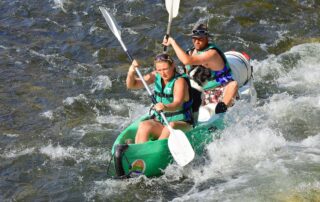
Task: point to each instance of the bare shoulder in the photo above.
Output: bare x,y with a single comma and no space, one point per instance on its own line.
181,82
212,52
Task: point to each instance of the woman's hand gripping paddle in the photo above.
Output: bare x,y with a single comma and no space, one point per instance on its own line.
172,7
178,143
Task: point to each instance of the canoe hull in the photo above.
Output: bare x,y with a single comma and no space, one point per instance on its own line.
152,157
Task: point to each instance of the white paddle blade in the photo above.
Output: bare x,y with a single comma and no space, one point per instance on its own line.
111,22
206,112
172,7
180,147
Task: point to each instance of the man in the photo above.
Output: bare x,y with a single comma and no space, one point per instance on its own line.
172,95
219,88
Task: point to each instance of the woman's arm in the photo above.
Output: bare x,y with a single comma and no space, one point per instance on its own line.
134,82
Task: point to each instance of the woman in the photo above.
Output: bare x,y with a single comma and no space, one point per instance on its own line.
171,94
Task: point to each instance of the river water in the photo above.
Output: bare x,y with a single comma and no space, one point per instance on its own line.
63,100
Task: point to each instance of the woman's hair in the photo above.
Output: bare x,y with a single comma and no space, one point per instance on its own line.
163,57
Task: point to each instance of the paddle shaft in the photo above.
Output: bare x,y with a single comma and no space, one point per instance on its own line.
168,33
173,12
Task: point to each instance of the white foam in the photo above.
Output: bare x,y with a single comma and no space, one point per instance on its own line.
106,188
12,135
96,53
93,28
281,105
200,9
263,22
246,141
71,100
131,31
60,4
112,120
135,111
57,152
54,22
309,186
242,144
3,47
17,152
101,83
118,105
82,130
312,141
47,114
305,73
78,154
269,66
304,77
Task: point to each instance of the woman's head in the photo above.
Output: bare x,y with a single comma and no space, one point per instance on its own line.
164,66
163,57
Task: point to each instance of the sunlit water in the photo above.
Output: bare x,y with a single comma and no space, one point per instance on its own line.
63,101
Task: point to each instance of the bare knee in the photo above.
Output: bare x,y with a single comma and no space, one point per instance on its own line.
233,85
172,124
145,125
143,132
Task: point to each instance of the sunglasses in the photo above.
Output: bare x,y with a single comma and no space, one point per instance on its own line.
200,32
163,58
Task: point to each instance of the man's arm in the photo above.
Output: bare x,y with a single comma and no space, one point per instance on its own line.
184,57
210,59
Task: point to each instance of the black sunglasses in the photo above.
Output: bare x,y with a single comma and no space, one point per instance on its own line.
163,58
200,32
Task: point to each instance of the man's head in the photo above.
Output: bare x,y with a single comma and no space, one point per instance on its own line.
200,31
200,36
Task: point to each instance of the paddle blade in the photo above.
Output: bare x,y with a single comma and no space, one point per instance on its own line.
112,23
180,147
172,7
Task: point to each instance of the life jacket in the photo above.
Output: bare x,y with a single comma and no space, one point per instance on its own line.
217,78
165,96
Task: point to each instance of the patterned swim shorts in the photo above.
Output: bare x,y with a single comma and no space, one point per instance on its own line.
213,96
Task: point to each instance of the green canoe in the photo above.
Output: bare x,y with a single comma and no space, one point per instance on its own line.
151,157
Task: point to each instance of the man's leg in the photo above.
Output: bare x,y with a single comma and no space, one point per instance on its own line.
230,93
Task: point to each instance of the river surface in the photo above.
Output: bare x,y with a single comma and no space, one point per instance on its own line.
63,100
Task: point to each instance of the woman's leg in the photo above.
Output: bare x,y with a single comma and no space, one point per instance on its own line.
146,128
176,125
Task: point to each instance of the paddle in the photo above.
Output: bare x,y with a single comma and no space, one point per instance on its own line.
172,7
178,143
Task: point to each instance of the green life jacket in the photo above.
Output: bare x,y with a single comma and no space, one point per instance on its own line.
217,78
165,96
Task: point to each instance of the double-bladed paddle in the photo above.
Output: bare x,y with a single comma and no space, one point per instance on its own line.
172,7
178,143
